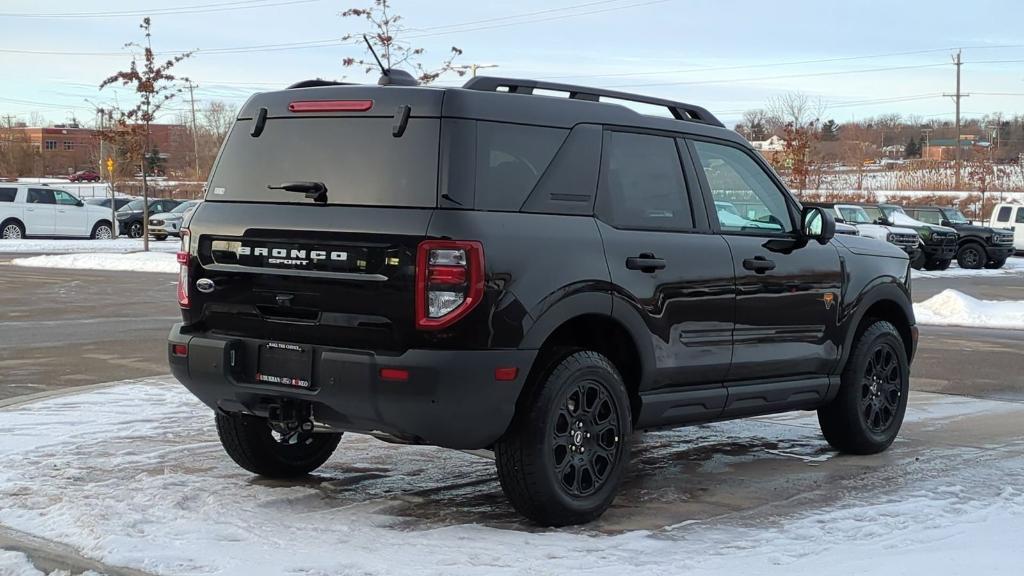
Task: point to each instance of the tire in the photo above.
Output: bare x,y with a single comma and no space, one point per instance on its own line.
135,230
866,415
160,238
102,231
971,256
12,230
937,265
543,461
919,261
249,441
995,264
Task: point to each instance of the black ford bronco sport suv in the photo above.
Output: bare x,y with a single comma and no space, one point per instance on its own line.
490,267
977,246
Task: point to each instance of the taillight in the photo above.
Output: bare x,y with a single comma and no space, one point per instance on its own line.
183,259
449,281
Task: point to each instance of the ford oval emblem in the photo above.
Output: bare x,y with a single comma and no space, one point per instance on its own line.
205,285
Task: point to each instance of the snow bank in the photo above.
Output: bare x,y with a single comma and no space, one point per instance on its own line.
132,262
133,475
954,308
17,564
50,246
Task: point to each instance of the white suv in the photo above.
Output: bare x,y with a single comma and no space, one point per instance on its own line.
39,210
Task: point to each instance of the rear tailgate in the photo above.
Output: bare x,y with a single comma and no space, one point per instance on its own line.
331,275
289,268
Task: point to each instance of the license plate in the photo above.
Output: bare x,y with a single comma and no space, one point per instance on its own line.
285,364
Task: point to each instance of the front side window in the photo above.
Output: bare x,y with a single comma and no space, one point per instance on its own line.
1004,214
642,183
1020,216
876,213
956,216
928,216
737,180
41,196
854,214
65,199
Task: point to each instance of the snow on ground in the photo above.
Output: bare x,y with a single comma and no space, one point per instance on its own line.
954,308
133,475
16,564
131,262
1014,267
62,246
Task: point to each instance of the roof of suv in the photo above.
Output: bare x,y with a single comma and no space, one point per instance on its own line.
497,99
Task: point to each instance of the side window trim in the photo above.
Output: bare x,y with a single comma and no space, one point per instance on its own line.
699,224
709,199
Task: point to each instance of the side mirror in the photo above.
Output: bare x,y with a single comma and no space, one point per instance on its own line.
946,222
818,224
79,203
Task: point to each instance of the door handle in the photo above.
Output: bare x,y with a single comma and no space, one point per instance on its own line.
759,264
645,262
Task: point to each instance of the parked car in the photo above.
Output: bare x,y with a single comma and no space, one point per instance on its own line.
130,216
169,223
977,246
105,202
33,210
488,268
843,228
905,239
938,243
85,176
1010,216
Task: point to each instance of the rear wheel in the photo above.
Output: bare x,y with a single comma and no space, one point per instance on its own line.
995,263
12,230
971,256
135,230
160,237
253,445
937,264
866,415
563,458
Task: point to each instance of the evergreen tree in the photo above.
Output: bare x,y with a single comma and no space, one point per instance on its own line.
830,131
913,149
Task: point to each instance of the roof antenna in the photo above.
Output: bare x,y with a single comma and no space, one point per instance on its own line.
384,71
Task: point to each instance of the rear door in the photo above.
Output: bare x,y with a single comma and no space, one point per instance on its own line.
288,268
787,290
71,218
666,266
40,212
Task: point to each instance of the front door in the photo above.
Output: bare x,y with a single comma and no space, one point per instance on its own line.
40,212
72,218
788,289
665,264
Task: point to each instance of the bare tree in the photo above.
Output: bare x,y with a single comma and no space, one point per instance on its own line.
155,86
17,155
796,108
386,31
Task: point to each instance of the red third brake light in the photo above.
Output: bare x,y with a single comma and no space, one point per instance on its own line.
330,106
449,281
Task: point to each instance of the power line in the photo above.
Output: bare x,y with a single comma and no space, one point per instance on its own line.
195,9
779,77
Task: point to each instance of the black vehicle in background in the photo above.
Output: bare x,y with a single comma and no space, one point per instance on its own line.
977,246
105,202
939,244
130,216
487,267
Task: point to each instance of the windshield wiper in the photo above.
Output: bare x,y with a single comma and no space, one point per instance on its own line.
316,191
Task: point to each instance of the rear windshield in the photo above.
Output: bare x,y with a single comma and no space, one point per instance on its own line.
359,160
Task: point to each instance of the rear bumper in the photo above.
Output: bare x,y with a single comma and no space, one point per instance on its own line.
939,251
450,399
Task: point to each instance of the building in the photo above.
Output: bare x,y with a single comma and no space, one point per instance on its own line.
67,148
944,149
772,149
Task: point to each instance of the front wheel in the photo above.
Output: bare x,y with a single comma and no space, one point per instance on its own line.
255,446
866,415
102,231
937,265
918,262
135,230
565,454
971,256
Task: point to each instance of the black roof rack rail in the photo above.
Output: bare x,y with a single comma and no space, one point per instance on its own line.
679,110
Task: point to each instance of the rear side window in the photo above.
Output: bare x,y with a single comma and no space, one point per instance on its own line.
357,159
642,184
8,194
510,160
1004,214
928,216
41,196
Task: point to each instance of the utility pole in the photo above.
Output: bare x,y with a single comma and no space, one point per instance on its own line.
195,134
956,98
927,133
474,67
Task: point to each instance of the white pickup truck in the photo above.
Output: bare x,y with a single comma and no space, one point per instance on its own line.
1010,215
38,210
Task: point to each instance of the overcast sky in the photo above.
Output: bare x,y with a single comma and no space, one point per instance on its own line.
872,57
